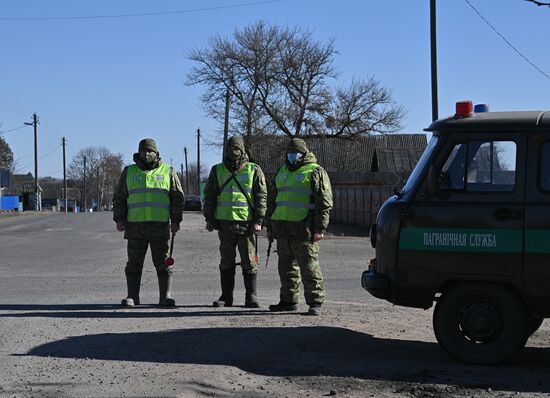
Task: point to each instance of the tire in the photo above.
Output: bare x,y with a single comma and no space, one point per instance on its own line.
480,323
533,325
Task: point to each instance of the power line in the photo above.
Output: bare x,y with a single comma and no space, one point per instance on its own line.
143,14
9,131
507,42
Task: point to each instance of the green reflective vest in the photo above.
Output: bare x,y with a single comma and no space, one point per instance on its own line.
232,204
148,194
294,194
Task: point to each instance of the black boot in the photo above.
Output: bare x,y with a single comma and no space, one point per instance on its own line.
165,285
250,285
283,306
133,282
228,284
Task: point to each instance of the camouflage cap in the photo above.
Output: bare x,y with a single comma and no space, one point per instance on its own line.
236,142
296,145
147,144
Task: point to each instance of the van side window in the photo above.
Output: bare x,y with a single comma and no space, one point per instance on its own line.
480,166
545,167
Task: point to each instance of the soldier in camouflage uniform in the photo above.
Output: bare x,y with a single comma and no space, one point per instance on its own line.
298,208
235,204
147,206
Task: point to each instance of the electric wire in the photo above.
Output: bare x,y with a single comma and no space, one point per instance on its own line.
2,132
508,42
143,14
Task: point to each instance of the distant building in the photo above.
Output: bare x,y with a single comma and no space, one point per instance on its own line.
393,153
363,170
22,185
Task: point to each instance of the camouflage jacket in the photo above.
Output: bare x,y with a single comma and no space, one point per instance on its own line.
152,229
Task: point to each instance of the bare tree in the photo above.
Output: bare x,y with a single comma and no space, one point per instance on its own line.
539,3
362,108
97,158
280,82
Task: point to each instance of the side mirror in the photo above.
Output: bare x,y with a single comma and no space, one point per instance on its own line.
433,181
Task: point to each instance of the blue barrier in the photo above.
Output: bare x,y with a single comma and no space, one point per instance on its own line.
9,203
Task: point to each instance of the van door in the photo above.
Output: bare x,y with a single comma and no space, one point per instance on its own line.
473,228
537,225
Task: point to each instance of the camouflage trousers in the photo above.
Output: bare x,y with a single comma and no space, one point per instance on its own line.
137,248
231,239
298,261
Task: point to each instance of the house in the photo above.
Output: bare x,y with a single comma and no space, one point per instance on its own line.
363,170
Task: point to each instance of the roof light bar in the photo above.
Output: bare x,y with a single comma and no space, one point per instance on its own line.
464,108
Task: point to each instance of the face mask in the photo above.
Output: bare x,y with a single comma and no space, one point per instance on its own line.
234,154
148,157
293,157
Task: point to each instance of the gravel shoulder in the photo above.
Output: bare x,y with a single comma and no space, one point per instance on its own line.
63,334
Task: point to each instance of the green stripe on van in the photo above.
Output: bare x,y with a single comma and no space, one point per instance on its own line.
461,240
537,241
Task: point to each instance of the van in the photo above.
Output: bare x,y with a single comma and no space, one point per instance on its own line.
470,231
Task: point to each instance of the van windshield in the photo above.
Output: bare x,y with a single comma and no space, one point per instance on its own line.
411,181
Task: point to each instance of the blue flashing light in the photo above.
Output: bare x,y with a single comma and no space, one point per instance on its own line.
480,108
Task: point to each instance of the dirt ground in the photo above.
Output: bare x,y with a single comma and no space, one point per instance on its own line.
63,333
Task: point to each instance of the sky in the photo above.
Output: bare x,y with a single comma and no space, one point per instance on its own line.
113,81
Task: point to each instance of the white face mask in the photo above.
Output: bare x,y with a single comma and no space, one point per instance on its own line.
293,157
148,157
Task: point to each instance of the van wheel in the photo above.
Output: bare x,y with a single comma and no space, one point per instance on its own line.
480,323
534,325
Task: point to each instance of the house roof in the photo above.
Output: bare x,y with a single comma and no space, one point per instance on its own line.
385,153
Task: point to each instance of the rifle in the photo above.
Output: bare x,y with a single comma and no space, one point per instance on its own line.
256,255
268,252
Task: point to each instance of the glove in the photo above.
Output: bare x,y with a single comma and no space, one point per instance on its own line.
209,226
174,227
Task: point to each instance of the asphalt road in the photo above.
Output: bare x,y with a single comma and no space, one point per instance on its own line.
80,259
64,334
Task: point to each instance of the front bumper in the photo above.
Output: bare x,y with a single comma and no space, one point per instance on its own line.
376,284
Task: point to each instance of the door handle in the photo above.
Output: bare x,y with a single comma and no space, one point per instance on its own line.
507,214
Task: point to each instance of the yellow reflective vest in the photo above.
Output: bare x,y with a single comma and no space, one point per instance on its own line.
148,194
232,204
294,193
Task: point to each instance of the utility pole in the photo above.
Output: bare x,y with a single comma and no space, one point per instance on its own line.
199,162
181,173
35,125
186,171
84,199
64,176
226,122
433,43
97,188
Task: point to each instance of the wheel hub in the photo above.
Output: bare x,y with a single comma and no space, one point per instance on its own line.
480,322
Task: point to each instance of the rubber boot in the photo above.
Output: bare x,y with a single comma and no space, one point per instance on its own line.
250,285
133,282
165,285
283,306
314,309
227,278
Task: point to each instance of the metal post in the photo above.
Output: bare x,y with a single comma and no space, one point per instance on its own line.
84,199
226,123
64,177
186,171
433,59
97,188
199,162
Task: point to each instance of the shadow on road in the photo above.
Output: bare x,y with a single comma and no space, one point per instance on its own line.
109,311
307,351
79,307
